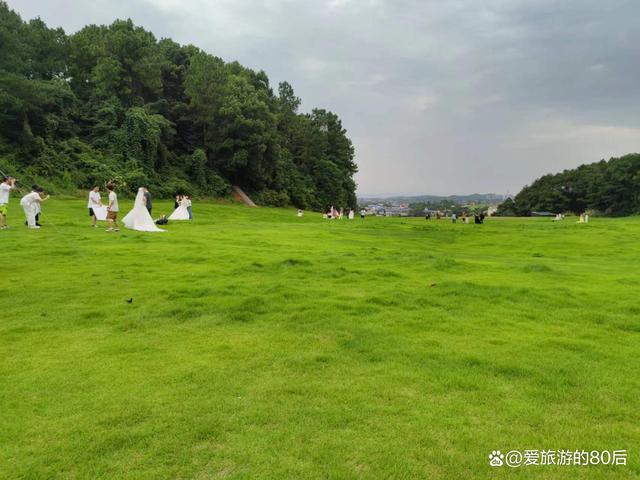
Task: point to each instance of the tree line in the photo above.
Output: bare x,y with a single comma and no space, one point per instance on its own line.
113,103
609,188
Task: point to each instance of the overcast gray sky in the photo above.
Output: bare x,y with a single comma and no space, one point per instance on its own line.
439,97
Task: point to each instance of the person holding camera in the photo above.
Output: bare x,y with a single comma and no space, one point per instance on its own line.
8,184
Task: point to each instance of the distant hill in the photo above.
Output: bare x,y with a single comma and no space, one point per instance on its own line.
458,199
606,187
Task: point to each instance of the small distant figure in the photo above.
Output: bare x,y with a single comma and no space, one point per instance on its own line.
330,213
476,219
454,218
586,218
581,220
176,204
148,200
363,213
180,213
162,220
299,213
8,184
340,214
39,206
427,216
188,205
95,201
351,214
112,209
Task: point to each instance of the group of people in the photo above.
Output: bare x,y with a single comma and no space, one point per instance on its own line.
584,218
182,207
139,218
30,203
338,214
478,218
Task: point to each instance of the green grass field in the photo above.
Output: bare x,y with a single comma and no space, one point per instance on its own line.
261,345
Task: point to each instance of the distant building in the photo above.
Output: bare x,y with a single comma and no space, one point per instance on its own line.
375,209
401,210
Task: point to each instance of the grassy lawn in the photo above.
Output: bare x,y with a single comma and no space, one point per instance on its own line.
261,345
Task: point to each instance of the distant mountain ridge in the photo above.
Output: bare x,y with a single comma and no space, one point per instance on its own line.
461,199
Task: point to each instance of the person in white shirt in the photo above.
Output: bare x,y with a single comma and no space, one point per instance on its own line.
8,184
31,205
94,202
112,209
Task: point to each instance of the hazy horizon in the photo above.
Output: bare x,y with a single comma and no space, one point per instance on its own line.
423,194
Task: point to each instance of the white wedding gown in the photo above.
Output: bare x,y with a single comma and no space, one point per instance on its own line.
139,218
180,213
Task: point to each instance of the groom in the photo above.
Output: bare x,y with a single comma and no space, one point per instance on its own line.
147,200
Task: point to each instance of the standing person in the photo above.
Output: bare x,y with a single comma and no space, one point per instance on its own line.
454,217
95,201
31,205
351,214
187,200
363,212
8,184
138,218
180,213
176,204
112,209
38,207
147,200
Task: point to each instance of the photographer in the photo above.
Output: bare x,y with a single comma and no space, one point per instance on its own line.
8,184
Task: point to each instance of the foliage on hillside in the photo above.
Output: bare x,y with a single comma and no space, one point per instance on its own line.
605,187
114,103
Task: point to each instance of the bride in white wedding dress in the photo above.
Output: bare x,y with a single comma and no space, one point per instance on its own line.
180,213
139,218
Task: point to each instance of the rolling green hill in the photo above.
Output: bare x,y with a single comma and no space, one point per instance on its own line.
114,104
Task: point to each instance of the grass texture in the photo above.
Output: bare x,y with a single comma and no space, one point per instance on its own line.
262,345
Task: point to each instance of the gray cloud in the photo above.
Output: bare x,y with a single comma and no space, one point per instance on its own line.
439,96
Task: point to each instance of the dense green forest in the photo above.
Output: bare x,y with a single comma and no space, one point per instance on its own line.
605,187
112,103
